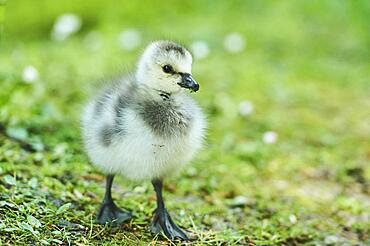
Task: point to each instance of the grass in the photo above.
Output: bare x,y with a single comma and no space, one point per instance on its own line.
305,68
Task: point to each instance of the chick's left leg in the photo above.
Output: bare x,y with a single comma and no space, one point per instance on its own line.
109,212
162,220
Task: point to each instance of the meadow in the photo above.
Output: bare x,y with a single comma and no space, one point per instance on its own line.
285,86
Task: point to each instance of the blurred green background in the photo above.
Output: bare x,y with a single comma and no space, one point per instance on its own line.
285,85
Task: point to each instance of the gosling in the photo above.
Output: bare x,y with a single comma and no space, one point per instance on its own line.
146,127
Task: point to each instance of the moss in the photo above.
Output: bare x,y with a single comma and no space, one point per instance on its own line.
304,68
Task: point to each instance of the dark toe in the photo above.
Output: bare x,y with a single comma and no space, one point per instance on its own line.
112,215
177,232
163,223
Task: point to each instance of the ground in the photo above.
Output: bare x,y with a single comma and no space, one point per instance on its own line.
304,68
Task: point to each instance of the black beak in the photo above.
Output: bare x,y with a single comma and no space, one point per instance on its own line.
188,82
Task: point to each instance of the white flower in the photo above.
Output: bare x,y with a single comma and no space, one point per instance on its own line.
234,42
30,74
270,137
281,184
93,41
292,219
65,25
331,239
200,49
60,149
240,200
246,108
129,39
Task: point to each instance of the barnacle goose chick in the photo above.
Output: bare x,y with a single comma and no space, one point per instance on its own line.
146,127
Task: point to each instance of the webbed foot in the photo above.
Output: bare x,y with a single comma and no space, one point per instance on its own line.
162,222
113,215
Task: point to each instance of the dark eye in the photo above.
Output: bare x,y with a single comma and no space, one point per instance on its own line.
167,69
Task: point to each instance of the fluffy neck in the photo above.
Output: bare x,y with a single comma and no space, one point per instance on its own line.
146,93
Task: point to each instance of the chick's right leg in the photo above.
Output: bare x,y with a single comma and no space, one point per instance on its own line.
109,212
162,221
